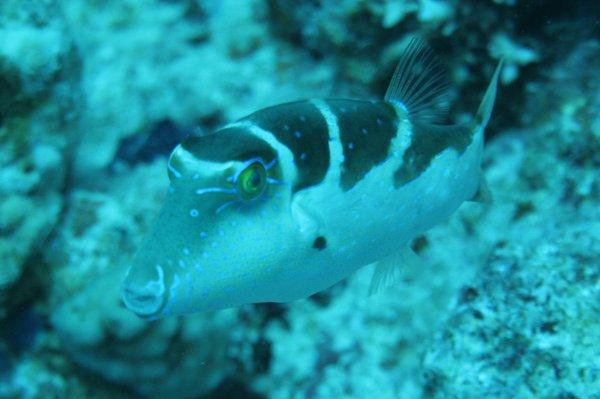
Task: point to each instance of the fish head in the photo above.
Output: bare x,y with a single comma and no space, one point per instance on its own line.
226,225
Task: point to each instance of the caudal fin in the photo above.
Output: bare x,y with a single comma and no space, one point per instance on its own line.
487,104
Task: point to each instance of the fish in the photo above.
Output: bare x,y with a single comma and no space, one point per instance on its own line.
293,198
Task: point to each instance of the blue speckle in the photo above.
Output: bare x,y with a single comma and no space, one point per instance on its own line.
297,134
303,156
351,146
364,130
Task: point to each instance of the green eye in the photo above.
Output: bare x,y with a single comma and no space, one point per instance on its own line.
252,181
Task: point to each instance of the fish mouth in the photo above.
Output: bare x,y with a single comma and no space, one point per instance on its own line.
145,300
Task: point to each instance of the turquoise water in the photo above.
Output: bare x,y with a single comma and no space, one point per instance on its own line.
94,96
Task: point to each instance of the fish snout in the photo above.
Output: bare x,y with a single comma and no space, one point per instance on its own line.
145,298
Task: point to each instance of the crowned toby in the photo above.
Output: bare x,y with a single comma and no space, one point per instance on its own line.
293,198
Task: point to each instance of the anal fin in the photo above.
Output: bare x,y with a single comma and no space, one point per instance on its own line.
390,270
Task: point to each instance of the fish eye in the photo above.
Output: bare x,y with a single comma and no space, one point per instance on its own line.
252,181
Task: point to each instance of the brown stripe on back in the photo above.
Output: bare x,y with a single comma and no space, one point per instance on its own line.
366,132
300,127
428,141
229,144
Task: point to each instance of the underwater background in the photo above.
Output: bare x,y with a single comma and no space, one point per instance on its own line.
95,94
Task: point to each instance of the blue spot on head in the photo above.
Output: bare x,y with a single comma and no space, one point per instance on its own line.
303,118
297,134
351,146
303,156
364,131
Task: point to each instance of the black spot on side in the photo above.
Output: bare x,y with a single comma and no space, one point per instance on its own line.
300,127
427,142
366,132
228,144
320,243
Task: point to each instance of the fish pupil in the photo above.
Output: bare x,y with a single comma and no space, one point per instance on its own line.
255,179
252,181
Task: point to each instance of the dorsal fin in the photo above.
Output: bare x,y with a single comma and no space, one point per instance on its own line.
420,83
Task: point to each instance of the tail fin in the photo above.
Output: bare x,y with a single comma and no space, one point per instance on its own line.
487,104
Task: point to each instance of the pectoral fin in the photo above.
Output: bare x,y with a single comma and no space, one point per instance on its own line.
308,223
390,270
483,194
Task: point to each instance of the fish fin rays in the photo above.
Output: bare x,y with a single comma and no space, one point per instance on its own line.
483,194
484,112
309,224
420,84
390,270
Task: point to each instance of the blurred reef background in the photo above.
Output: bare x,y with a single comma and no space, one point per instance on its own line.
95,94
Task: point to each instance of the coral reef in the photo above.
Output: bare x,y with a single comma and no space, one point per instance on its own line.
38,75
93,96
215,64
528,328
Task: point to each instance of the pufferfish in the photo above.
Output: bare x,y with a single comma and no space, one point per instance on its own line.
293,198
